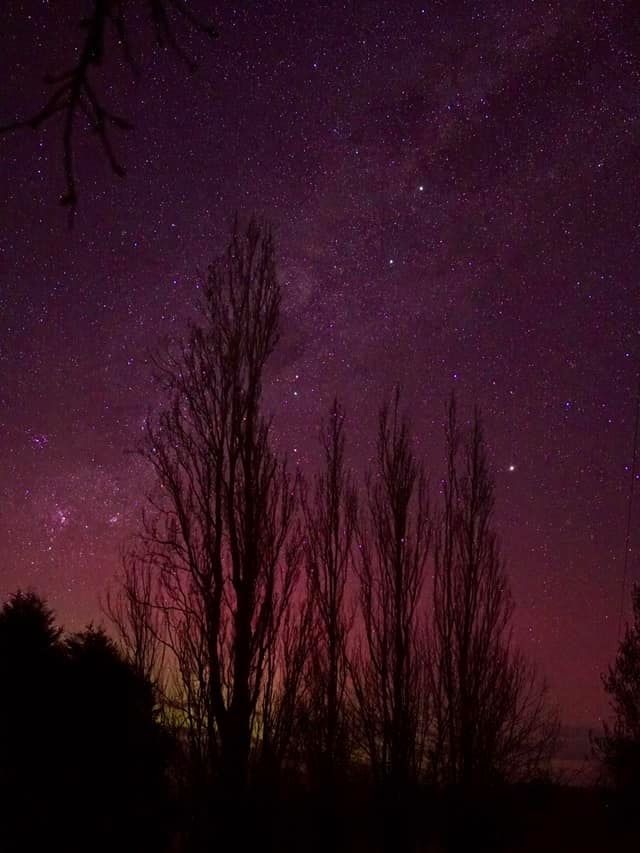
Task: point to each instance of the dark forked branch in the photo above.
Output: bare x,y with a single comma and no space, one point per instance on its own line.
74,95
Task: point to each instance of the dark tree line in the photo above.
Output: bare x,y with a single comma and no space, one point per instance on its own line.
290,654
274,635
291,627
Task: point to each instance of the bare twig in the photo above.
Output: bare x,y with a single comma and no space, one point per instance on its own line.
74,93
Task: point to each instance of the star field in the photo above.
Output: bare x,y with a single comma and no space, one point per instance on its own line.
454,188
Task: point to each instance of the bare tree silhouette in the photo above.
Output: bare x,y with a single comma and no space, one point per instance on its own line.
388,668
278,724
130,609
330,514
619,745
218,533
490,713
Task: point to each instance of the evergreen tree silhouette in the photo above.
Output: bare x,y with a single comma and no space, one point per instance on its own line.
31,672
118,751
83,756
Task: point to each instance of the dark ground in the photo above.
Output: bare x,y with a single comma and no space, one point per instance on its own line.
544,819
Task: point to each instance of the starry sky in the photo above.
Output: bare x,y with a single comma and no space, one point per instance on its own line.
454,189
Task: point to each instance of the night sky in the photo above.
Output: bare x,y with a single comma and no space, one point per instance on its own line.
455,192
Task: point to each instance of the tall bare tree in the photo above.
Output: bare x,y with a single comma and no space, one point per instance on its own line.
217,532
618,746
388,670
490,715
330,531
